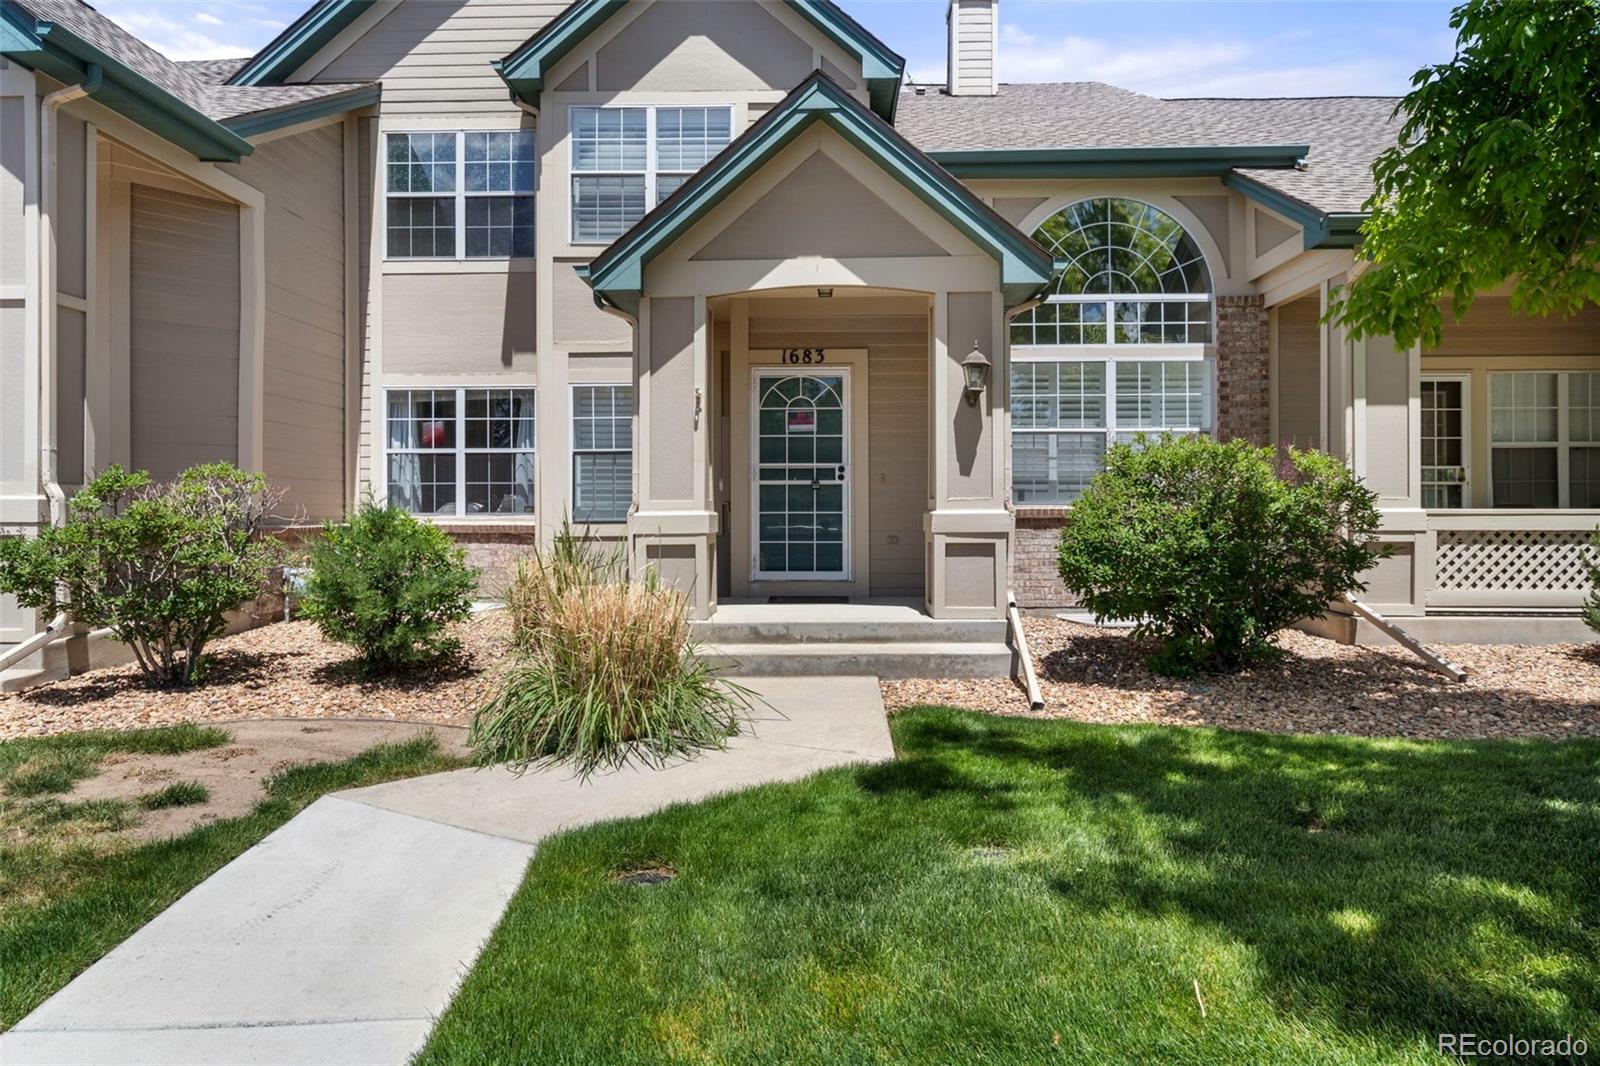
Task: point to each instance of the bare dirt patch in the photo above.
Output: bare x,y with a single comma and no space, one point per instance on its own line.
278,671
233,776
1090,674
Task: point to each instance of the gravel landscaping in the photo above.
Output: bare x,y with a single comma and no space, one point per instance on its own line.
284,670
1098,675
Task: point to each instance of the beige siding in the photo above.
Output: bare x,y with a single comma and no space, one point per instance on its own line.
973,48
579,325
364,471
696,45
433,55
1491,328
303,405
897,426
184,335
819,209
1298,369
457,323
71,205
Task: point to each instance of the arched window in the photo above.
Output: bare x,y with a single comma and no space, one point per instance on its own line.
1096,363
1133,276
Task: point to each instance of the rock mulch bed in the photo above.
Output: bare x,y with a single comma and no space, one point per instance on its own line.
284,670
1098,675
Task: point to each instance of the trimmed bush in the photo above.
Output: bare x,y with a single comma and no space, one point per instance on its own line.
390,585
606,670
1211,548
160,565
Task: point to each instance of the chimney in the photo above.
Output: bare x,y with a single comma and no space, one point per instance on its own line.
974,47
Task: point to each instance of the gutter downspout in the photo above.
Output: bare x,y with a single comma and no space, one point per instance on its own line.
49,473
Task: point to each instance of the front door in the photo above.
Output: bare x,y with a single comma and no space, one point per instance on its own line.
801,444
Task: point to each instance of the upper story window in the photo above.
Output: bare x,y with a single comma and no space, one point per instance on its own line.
460,195
1134,276
625,160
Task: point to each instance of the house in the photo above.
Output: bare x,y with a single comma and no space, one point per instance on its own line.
714,280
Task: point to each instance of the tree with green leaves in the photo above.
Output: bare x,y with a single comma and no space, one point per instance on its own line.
1495,179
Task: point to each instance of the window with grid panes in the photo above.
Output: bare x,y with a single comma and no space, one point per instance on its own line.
602,452
1064,415
625,160
462,195
1544,439
460,452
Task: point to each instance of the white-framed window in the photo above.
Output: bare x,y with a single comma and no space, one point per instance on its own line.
460,452
1544,439
1134,275
1446,451
625,160
1065,413
602,452
459,195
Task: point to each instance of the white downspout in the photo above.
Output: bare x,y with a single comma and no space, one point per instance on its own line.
49,473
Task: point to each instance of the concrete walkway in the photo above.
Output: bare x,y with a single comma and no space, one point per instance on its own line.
341,937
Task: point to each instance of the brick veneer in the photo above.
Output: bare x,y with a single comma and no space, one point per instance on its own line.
1033,560
493,548
1242,365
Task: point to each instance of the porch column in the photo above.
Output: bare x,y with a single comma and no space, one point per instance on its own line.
673,527
967,530
1386,453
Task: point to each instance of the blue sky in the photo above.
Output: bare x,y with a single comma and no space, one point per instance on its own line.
1183,48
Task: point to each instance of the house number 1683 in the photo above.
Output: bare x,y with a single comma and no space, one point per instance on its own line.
805,355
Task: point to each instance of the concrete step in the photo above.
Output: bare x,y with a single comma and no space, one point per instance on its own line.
922,630
888,659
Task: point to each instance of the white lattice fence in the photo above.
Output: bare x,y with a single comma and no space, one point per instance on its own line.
1512,560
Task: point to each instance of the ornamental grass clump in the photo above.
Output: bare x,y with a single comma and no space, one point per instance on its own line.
605,671
1210,548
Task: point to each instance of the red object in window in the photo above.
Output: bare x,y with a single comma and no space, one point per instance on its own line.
433,435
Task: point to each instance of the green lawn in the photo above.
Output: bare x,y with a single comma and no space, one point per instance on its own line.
70,890
1024,891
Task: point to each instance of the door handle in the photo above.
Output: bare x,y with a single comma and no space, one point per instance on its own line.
816,486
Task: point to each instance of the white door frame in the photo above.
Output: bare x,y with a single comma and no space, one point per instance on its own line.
758,374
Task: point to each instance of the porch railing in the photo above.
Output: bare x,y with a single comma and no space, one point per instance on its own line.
1510,559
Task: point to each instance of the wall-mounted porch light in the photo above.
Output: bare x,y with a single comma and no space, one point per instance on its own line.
975,367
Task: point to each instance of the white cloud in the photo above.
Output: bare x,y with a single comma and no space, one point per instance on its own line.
1180,67
176,38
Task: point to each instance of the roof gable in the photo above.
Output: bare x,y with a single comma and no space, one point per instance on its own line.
525,69
304,37
617,275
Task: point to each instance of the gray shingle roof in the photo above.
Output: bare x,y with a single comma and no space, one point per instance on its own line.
1345,133
197,83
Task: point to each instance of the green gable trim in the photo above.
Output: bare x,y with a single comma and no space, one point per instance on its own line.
56,51
302,40
525,70
617,275
1321,229
1169,161
259,122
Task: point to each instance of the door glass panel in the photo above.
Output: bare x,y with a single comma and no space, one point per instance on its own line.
1444,460
800,523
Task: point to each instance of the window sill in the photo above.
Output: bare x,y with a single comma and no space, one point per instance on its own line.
516,265
460,524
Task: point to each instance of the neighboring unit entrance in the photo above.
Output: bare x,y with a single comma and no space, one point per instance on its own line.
801,461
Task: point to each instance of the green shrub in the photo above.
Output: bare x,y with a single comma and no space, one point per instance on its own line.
390,585
1211,548
1591,606
160,565
606,670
